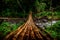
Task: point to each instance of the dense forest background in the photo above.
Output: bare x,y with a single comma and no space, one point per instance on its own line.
15,8
42,9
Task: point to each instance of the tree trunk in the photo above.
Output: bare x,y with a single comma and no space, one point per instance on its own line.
29,31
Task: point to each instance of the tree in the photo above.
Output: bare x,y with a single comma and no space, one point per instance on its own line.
29,31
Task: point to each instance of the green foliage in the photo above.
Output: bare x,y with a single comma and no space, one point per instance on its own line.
48,14
13,8
12,13
14,26
6,1
41,14
40,6
6,12
44,13
22,15
20,23
7,27
58,8
54,30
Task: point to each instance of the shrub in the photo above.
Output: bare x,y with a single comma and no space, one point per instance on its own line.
54,30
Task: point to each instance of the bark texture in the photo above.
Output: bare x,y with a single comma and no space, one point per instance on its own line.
29,31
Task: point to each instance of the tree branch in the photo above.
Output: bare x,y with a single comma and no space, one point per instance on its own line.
20,6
